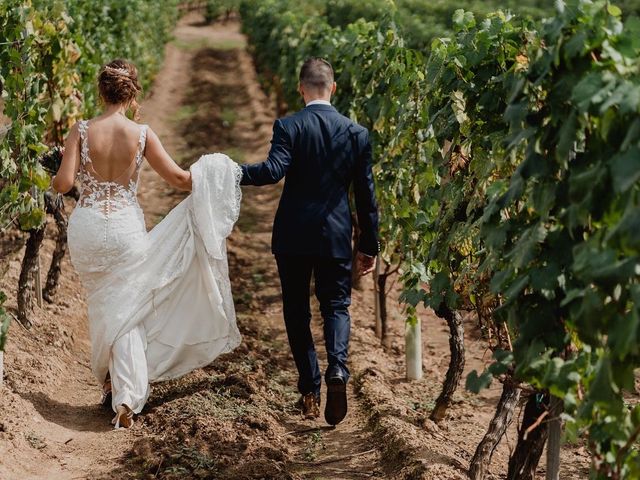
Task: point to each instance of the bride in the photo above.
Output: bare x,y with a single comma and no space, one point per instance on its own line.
159,302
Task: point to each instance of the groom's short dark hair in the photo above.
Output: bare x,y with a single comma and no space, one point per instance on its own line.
316,73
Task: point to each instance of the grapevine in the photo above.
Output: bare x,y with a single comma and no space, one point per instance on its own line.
508,182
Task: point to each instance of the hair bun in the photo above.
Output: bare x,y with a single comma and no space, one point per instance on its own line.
118,83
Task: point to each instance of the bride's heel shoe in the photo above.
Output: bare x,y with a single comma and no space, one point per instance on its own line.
123,418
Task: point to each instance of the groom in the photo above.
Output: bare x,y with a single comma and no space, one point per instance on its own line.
322,154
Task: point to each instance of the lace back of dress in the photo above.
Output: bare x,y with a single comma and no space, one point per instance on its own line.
108,195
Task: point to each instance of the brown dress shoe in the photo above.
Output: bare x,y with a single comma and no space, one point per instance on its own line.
336,408
310,406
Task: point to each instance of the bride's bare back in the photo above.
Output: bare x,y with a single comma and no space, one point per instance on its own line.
113,143
109,191
113,146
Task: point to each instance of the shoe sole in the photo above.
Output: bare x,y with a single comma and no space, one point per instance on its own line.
336,406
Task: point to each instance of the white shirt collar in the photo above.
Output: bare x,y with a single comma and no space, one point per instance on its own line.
318,102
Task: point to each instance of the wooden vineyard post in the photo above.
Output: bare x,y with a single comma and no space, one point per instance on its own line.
413,349
553,441
378,313
1,368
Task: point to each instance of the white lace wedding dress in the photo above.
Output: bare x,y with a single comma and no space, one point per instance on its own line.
160,303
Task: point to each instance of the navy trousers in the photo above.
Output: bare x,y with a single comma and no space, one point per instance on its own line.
333,290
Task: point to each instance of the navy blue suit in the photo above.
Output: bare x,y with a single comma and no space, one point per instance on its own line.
322,154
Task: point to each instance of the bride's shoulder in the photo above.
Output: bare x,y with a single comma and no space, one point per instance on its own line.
75,130
80,123
131,127
137,125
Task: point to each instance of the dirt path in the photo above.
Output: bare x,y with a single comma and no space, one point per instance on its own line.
226,110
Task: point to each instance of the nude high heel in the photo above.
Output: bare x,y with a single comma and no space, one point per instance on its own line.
123,418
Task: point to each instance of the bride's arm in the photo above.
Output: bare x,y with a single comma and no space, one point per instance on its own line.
63,180
162,163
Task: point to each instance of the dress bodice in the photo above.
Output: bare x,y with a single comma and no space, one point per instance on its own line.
108,195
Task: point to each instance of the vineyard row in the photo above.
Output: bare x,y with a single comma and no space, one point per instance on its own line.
508,173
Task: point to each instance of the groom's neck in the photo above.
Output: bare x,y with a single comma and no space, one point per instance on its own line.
313,96
308,100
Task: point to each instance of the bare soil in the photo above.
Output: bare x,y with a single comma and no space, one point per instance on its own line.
234,419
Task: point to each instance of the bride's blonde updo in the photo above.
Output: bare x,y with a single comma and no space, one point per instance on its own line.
118,84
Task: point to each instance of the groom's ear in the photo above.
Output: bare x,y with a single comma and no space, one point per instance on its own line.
333,88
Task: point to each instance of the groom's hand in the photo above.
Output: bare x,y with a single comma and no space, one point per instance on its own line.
366,263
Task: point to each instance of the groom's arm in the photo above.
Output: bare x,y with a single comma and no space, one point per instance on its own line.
365,196
275,167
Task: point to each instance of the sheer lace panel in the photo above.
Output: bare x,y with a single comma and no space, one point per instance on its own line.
108,195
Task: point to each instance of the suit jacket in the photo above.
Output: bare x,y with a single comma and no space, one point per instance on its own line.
322,154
